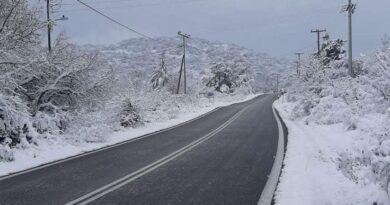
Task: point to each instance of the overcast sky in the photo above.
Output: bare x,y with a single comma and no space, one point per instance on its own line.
278,27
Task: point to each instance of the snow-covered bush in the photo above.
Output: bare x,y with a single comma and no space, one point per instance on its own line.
14,121
129,117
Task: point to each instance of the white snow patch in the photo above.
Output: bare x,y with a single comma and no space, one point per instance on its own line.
311,174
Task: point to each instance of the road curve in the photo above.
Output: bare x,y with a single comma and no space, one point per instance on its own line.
221,158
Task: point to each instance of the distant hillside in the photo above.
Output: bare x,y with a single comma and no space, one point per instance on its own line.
140,56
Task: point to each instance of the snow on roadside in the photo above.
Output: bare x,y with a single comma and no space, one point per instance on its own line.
311,174
57,148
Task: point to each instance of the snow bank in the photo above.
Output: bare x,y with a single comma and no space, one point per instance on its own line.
339,134
311,173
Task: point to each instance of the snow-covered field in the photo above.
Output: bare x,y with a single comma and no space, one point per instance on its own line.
311,173
58,148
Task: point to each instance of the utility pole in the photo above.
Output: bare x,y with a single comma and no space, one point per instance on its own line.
277,84
48,25
298,63
350,8
318,31
183,63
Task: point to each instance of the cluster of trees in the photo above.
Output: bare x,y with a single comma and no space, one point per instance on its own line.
331,66
39,90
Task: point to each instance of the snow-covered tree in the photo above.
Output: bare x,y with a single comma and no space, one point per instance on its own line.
225,78
378,66
160,76
19,27
19,38
40,91
332,50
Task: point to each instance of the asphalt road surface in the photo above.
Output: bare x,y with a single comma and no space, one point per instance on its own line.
221,158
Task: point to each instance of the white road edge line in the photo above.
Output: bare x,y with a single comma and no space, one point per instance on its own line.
92,196
107,147
270,187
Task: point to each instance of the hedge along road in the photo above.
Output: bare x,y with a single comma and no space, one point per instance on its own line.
224,157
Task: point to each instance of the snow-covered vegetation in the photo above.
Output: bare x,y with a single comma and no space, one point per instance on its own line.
142,57
339,133
80,95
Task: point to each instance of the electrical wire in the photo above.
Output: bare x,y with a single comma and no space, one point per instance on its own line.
127,4
115,21
98,2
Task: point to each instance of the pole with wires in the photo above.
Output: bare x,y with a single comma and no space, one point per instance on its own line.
298,64
48,25
318,31
277,85
183,64
350,8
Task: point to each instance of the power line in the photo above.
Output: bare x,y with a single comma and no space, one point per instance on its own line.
115,21
97,2
71,8
311,46
302,49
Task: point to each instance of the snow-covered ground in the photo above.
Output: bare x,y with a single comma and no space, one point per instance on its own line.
312,172
58,148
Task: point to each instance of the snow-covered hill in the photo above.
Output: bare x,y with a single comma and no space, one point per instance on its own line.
140,56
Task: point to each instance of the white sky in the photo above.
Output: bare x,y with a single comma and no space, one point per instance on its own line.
278,27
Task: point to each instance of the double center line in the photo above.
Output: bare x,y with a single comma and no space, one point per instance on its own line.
92,196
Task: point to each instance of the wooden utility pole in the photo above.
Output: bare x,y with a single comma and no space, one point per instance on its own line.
298,63
350,8
183,64
318,38
48,25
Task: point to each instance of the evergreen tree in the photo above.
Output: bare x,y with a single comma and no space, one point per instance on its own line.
160,76
332,50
